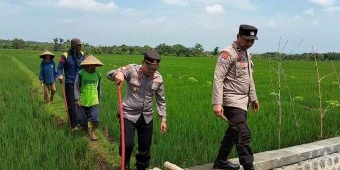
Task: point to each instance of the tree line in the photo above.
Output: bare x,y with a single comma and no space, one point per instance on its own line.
304,56
61,45
178,50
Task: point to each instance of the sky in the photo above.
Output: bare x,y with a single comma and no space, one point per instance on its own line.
289,26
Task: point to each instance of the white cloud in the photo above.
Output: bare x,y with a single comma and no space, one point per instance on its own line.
87,5
309,12
152,21
323,2
176,2
297,17
243,4
214,9
333,9
239,4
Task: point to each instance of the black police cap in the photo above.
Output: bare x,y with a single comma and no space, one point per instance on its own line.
248,31
152,57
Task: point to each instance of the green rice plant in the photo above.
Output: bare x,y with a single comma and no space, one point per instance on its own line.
30,139
194,133
336,74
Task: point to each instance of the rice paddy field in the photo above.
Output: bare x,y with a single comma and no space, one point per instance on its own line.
289,112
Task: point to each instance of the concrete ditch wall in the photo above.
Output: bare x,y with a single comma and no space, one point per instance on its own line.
329,162
320,155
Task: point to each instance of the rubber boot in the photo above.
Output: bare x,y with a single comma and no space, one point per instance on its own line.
220,164
249,166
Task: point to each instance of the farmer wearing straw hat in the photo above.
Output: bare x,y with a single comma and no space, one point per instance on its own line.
233,91
69,63
88,93
47,75
144,83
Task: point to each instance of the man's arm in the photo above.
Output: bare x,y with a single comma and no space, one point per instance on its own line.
60,68
221,70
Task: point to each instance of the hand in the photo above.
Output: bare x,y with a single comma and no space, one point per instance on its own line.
77,103
60,77
255,105
218,110
163,127
119,77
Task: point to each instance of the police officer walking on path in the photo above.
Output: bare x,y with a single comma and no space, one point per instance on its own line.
233,90
70,63
144,83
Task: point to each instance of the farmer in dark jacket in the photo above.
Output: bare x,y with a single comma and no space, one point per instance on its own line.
70,63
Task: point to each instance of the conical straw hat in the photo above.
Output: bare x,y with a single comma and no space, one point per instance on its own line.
91,60
46,53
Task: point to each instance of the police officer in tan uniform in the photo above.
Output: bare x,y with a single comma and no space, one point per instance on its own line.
233,90
144,83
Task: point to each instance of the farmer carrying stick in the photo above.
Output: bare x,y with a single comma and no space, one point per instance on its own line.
88,93
144,83
47,75
69,63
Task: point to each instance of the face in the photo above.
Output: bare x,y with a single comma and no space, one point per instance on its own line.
77,48
147,70
244,43
90,68
47,57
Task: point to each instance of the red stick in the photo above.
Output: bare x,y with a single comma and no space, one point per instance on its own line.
65,102
122,135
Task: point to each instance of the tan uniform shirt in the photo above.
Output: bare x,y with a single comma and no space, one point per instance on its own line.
140,92
233,81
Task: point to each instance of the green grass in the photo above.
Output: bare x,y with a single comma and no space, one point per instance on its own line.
29,137
194,133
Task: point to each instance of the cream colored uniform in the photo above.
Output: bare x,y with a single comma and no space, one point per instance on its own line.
233,81
140,92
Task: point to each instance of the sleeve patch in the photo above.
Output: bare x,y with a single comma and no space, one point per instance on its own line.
224,54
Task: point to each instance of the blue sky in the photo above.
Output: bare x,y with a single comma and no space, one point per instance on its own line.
300,24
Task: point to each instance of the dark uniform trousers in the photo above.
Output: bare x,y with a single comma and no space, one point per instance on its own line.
237,134
144,136
69,90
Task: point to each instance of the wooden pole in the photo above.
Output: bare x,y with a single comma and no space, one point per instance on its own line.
171,166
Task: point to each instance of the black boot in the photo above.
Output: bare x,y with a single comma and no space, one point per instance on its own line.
127,167
127,164
249,166
219,164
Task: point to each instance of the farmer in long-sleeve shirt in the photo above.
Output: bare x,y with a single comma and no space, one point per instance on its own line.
47,75
144,83
69,63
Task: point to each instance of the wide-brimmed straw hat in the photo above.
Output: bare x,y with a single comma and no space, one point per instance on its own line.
42,55
91,60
